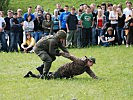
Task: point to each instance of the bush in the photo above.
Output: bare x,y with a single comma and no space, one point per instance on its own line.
4,5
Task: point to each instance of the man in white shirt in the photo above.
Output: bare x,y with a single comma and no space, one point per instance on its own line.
128,10
3,43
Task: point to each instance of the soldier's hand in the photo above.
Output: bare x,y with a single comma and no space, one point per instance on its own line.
96,77
61,53
57,52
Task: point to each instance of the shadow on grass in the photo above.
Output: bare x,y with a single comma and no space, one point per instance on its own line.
82,79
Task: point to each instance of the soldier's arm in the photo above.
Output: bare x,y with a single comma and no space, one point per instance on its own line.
91,73
63,48
71,57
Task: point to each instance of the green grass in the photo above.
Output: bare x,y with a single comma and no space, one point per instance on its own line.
114,65
50,4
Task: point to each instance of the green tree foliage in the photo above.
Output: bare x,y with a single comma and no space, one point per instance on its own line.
4,5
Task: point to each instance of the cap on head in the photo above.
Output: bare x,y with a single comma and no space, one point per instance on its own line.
61,34
91,59
110,29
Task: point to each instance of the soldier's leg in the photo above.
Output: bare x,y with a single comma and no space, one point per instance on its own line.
40,69
47,67
47,60
31,74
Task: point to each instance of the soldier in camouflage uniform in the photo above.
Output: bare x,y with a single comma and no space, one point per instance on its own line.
47,50
69,70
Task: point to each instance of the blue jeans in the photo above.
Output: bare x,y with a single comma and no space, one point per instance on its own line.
106,44
46,33
14,41
4,46
37,35
93,35
99,33
120,35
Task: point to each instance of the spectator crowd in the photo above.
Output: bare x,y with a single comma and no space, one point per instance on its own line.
89,25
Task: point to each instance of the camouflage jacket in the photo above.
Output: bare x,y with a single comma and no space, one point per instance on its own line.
50,45
77,67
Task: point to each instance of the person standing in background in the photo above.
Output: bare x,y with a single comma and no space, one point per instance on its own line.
7,28
28,26
79,31
71,25
47,25
62,19
120,29
59,9
29,12
87,22
55,19
38,30
3,45
20,21
113,17
100,23
14,33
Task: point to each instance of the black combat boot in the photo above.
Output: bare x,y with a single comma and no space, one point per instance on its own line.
28,74
40,69
46,70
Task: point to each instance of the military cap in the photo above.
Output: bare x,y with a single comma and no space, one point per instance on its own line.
61,34
91,59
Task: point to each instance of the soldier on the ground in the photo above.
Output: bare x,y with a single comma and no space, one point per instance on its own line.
69,70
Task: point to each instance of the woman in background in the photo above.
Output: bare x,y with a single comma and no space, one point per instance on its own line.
28,26
55,19
28,45
47,25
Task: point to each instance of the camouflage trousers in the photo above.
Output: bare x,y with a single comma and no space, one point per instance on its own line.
47,60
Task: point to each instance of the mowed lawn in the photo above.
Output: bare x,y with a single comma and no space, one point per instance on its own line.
114,67
51,4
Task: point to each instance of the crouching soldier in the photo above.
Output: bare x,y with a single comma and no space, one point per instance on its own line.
69,70
47,50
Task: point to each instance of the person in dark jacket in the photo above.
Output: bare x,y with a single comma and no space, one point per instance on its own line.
20,21
38,26
71,25
47,50
130,33
47,25
69,70
14,25
7,28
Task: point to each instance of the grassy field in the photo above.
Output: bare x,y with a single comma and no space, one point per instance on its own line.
114,67
50,4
